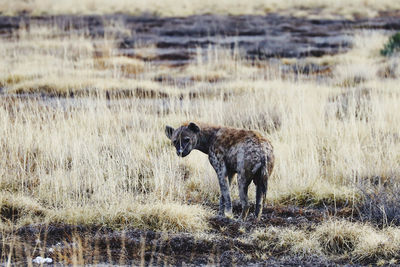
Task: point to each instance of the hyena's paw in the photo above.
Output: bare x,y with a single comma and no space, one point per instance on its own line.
245,213
229,214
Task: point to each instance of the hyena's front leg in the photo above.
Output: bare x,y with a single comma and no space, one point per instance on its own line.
225,204
226,209
221,206
221,198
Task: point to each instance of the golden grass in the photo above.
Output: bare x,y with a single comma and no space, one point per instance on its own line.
106,162
172,217
94,161
286,240
337,239
310,8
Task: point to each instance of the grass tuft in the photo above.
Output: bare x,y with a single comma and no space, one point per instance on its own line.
290,241
17,209
338,237
169,217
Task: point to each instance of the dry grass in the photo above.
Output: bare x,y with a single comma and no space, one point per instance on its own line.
333,239
170,216
292,241
326,135
106,162
310,8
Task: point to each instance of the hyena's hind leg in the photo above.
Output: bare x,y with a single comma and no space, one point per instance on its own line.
261,194
243,190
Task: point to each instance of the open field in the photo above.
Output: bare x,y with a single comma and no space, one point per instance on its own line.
88,175
312,9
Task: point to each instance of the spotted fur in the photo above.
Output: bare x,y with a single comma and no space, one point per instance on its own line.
230,151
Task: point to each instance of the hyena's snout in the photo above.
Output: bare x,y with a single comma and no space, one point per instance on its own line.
182,153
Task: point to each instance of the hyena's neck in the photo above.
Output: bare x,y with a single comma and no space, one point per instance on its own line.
206,138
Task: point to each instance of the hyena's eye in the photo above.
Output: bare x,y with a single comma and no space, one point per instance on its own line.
186,139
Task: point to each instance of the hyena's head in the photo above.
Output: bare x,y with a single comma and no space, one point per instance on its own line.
183,138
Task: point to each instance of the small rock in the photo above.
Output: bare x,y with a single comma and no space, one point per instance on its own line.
40,260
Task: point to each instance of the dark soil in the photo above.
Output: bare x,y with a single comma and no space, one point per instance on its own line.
92,245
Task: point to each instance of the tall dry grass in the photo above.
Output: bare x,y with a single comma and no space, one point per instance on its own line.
110,158
98,161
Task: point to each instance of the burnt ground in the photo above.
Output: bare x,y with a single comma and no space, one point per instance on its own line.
176,40
225,244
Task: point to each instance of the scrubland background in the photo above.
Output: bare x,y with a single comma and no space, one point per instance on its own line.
326,9
101,157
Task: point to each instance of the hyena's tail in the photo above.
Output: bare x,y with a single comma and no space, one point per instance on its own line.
261,167
261,172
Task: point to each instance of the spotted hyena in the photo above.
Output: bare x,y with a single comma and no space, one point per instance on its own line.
230,151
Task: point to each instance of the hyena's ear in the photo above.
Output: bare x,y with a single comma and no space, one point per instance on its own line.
169,131
193,127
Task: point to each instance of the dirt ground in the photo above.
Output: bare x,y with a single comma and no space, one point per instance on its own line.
224,245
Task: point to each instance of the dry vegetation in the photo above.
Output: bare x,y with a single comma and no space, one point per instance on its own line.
100,159
327,9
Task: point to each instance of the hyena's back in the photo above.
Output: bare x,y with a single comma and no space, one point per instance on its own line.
245,151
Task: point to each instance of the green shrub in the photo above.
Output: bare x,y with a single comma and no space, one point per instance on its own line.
392,46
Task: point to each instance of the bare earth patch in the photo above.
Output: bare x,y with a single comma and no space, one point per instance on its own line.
228,242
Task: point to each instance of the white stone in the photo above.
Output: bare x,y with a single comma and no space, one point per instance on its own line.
40,260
